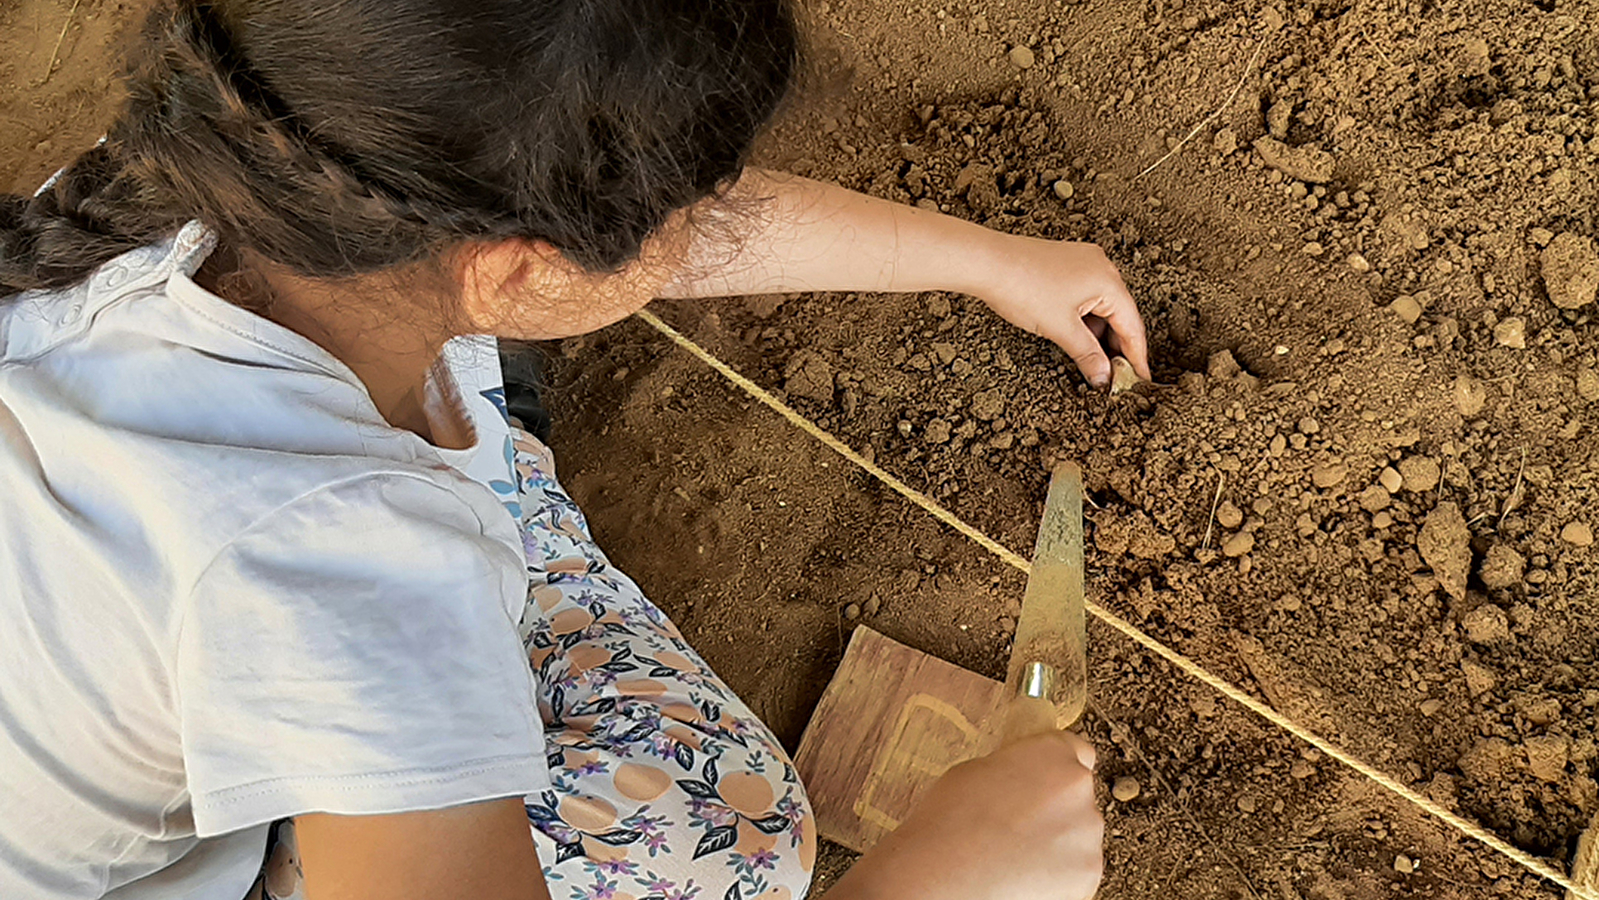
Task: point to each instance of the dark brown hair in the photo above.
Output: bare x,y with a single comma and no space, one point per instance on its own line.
342,137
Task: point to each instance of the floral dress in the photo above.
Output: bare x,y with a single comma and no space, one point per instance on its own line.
665,786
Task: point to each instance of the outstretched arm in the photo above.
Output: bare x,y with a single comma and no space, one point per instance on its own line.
811,236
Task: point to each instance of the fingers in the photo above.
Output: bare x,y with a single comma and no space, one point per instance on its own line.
1079,342
1122,316
1082,748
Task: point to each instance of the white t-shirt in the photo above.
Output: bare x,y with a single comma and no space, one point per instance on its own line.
230,592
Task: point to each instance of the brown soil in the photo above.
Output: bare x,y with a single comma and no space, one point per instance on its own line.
1370,282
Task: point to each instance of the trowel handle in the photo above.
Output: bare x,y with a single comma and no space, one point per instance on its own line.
1028,716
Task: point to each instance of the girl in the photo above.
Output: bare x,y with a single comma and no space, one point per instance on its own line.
290,606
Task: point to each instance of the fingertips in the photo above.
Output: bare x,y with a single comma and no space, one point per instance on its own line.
1082,749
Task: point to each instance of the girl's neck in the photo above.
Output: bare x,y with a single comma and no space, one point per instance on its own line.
388,336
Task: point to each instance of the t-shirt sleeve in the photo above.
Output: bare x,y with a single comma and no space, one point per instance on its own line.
356,653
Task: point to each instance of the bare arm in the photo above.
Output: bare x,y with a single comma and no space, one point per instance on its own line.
481,851
811,236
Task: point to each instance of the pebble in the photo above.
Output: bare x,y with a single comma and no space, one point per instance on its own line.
1407,308
1420,473
1375,498
1512,333
1486,624
1064,190
1226,141
1314,248
1502,567
1390,479
1021,57
1469,395
1358,263
1577,534
1229,516
1239,544
1588,384
1126,789
1247,803
1309,425
1301,769
873,604
852,612
1430,708
1404,865
1329,475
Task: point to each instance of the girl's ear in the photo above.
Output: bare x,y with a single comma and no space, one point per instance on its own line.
499,276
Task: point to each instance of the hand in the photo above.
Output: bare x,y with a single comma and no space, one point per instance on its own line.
1019,824
1072,294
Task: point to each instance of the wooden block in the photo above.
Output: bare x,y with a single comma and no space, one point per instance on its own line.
892,721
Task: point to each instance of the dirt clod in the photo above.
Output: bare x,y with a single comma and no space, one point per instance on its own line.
1419,473
1445,545
1547,756
1571,270
1502,567
1487,624
1307,164
1229,516
809,375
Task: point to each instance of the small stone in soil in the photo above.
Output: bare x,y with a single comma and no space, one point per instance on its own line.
1470,396
1064,190
1246,803
1512,333
1577,534
1239,544
1021,57
1301,769
1375,498
1588,384
1390,479
1126,789
1430,707
1406,308
1358,263
1403,864
1229,516
852,612
1328,475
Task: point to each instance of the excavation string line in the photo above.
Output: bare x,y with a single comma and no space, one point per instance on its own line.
1188,666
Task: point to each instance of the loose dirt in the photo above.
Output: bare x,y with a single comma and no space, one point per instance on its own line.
1370,282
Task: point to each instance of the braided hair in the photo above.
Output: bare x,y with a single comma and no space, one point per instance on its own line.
337,138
